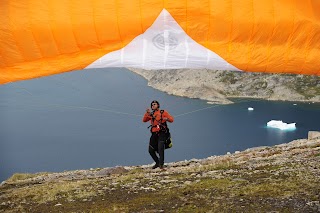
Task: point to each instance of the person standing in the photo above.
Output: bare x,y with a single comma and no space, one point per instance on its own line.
159,129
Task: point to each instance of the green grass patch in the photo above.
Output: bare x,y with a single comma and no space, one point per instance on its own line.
223,164
23,176
53,191
188,198
283,188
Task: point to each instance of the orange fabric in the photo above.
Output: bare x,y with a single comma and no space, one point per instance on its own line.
157,119
43,37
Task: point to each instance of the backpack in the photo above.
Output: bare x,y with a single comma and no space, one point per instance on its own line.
168,142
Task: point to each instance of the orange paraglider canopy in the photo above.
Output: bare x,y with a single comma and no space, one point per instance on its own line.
39,38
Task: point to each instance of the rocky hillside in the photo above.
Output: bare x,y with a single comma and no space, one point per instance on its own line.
218,86
282,178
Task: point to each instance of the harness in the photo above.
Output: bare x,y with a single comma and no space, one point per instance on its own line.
163,126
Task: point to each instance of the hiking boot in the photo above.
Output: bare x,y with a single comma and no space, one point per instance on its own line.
162,167
155,166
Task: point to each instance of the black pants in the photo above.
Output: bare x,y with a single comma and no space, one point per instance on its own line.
157,145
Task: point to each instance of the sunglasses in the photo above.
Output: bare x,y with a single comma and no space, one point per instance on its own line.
154,104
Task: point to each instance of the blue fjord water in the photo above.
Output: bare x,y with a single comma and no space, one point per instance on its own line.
93,118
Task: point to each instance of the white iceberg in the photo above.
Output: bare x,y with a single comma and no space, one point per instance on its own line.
281,125
250,108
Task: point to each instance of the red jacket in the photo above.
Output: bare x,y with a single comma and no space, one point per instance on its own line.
157,119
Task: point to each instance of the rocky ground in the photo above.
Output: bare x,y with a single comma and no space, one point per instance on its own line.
282,178
219,86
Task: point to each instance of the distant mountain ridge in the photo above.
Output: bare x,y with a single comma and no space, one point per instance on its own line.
218,86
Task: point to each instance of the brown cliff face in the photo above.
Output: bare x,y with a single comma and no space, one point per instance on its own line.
218,86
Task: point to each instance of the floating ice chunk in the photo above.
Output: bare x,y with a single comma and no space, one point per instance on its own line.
281,125
295,104
250,108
